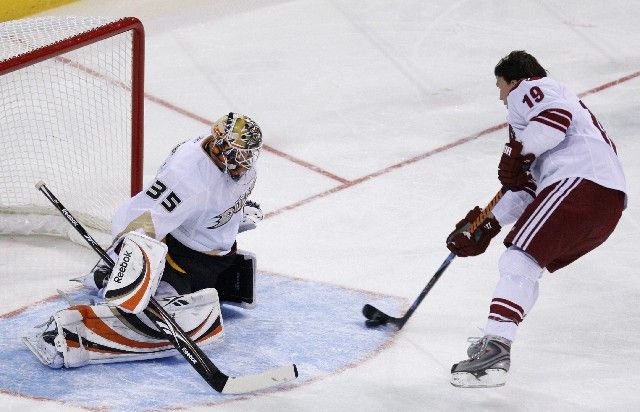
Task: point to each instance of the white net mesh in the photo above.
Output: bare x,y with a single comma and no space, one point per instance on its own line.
66,121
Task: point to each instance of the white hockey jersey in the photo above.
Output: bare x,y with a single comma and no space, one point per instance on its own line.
191,198
566,138
568,141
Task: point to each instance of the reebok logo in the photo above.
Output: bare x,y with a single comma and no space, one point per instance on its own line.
123,266
68,215
189,355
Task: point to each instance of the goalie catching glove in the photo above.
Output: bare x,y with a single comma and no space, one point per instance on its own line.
252,214
463,243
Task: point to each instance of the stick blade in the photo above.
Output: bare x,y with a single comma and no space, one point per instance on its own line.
368,311
252,383
375,315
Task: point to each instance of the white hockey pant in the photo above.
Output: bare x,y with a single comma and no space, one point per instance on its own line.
517,291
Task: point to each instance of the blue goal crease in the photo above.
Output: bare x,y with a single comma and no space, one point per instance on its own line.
318,327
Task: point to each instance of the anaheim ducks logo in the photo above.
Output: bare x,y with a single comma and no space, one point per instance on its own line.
226,216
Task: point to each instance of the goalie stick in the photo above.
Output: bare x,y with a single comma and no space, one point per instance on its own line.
376,317
173,332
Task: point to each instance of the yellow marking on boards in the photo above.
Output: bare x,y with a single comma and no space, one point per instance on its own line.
17,9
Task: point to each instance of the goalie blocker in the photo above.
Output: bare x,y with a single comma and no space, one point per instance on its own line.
135,276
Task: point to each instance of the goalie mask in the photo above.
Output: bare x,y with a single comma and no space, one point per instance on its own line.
237,142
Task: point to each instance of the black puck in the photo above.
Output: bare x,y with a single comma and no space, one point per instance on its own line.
372,323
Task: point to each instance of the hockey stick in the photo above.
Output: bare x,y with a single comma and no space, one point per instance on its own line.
376,317
173,332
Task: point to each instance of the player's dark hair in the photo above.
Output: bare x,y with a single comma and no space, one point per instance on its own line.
519,65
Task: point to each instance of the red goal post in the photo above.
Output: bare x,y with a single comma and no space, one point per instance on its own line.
72,96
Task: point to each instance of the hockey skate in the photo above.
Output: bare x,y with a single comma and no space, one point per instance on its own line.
487,366
97,278
42,344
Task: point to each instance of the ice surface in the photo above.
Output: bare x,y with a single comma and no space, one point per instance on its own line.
366,97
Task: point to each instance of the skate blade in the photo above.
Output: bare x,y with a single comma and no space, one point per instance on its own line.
34,346
494,378
86,281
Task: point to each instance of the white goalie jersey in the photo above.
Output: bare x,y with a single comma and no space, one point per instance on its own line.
191,198
568,141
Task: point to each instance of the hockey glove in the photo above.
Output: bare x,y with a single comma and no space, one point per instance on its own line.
252,214
97,278
513,170
463,243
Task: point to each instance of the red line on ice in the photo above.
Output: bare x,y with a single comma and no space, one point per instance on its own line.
345,183
430,153
267,148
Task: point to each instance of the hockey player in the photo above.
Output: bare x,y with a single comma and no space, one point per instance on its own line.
563,187
198,204
175,240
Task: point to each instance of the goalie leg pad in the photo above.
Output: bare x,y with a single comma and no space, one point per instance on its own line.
236,285
135,276
102,334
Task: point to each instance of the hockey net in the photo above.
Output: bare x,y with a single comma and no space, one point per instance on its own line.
71,90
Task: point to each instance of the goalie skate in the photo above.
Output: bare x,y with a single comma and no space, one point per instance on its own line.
487,366
42,345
